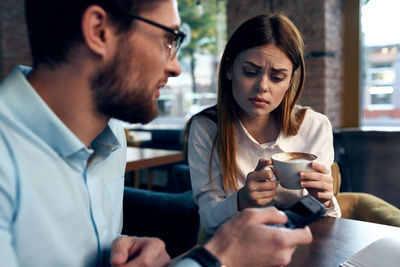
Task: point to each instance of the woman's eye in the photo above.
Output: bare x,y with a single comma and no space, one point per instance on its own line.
276,78
250,73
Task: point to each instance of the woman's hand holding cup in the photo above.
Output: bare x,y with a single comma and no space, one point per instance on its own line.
318,182
260,187
297,170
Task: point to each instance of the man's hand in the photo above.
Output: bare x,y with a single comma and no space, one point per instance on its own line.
134,251
247,240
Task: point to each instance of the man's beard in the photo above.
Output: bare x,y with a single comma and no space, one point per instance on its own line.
117,96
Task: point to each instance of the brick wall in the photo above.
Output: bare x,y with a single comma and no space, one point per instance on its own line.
14,46
320,22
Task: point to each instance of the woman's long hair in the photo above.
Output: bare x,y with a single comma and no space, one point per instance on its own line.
274,29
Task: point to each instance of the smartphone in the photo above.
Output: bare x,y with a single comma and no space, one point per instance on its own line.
303,212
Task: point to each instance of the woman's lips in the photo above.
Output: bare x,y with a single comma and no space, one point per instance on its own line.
259,101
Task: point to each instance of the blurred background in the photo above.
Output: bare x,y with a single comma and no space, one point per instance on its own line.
351,48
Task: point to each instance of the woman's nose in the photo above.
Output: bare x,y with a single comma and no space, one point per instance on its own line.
263,83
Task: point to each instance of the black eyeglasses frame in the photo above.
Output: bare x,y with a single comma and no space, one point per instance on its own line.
179,35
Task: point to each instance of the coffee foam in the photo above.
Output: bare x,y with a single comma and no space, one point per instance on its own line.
298,160
285,157
294,156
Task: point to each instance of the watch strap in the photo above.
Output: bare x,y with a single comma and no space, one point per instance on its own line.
204,258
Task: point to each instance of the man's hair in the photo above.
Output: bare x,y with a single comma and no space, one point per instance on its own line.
54,27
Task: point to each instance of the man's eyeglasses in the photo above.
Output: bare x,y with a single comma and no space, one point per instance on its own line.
179,35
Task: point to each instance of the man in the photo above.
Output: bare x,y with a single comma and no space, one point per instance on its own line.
63,155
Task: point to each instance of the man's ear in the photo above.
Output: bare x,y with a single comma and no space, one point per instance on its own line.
97,31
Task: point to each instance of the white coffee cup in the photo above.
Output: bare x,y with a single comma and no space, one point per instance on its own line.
287,165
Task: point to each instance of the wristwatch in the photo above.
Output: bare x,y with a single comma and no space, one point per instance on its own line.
205,258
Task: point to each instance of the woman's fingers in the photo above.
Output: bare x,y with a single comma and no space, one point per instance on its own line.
315,176
318,182
263,198
321,185
262,163
258,190
260,176
319,167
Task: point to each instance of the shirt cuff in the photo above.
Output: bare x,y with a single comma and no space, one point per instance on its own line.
188,262
212,218
334,211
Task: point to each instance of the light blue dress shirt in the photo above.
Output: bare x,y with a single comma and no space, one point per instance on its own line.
54,209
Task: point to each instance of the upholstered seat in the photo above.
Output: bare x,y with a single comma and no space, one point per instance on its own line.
364,206
368,161
171,217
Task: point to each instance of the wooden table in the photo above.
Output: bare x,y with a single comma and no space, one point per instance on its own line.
143,158
335,240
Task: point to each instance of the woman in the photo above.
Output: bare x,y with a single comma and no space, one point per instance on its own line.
261,77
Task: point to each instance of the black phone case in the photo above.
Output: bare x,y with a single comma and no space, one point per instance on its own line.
303,212
297,218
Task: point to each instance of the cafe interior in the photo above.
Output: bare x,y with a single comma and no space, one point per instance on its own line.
366,174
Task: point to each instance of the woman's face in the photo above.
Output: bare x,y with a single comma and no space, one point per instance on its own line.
260,77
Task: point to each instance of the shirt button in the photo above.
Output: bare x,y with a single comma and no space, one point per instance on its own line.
260,154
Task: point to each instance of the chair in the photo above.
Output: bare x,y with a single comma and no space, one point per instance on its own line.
170,139
368,161
167,139
363,206
172,217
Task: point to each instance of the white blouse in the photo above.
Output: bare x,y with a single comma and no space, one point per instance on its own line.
215,205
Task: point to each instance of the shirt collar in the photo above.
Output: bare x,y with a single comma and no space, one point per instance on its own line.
29,110
107,141
244,135
284,143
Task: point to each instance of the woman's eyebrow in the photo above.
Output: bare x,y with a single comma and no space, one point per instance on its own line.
279,70
276,70
253,64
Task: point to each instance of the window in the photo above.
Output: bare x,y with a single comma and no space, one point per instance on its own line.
196,87
381,63
380,85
